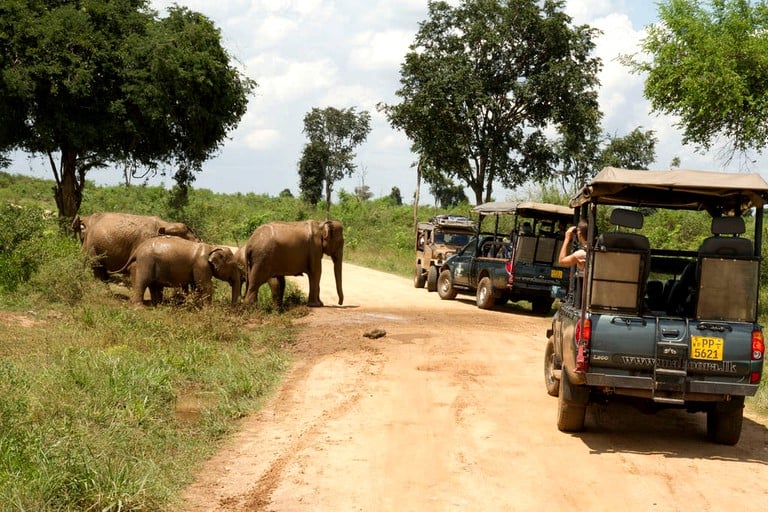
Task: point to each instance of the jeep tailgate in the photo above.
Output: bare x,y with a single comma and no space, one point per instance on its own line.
712,357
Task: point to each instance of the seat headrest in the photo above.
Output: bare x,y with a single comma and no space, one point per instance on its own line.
728,225
627,218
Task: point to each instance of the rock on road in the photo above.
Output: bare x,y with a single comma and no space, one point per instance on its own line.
448,412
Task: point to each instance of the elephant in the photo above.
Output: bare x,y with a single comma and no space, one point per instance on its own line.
173,261
280,249
110,238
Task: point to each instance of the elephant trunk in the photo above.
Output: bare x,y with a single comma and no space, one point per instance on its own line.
337,259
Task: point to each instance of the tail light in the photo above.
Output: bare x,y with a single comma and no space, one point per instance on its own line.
758,345
510,267
583,338
758,352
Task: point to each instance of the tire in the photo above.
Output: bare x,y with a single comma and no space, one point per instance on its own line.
444,287
418,277
432,275
485,298
542,306
552,382
724,420
571,406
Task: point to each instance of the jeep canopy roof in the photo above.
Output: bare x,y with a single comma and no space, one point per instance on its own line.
526,209
716,192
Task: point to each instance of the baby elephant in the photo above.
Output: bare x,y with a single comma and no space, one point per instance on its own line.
172,261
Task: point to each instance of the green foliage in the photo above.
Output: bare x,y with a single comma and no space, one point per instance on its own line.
708,66
636,150
485,80
22,234
333,136
112,82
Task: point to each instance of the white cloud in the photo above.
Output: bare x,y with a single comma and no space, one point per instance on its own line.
274,29
380,50
265,138
282,80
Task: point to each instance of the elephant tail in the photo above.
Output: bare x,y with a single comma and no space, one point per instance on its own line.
124,269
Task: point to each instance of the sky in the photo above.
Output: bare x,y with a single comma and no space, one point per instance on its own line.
347,53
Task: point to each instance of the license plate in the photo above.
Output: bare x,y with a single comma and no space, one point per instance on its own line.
556,274
708,348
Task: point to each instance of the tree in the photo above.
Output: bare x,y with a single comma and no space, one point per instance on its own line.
708,67
484,81
333,135
636,150
109,82
314,160
363,193
396,197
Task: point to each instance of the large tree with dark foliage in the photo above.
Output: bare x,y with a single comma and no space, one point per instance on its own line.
90,83
486,80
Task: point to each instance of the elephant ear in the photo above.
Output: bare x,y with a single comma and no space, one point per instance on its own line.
218,256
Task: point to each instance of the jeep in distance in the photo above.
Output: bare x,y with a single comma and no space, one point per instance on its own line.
436,240
514,259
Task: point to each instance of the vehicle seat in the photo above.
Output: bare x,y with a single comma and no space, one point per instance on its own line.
621,265
728,274
620,239
728,246
654,293
680,301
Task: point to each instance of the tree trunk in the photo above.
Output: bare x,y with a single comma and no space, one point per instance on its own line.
416,197
328,193
69,187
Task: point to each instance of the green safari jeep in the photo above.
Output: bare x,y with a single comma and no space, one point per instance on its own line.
663,327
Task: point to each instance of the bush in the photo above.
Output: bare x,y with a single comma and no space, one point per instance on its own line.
21,231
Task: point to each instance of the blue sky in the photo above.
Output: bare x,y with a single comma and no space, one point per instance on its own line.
343,53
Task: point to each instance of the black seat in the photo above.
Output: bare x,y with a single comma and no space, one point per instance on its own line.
680,301
727,246
654,292
620,240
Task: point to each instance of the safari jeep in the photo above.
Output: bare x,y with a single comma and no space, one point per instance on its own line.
510,264
663,327
437,239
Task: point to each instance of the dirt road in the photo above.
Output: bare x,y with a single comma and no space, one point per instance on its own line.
448,412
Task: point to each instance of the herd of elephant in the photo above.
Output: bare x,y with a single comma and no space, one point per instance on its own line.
159,254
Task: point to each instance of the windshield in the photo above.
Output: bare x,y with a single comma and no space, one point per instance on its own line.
455,239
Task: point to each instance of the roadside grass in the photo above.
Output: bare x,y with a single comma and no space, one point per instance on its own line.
106,406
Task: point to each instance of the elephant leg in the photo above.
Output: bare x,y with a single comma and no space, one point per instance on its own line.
277,284
156,293
252,291
313,300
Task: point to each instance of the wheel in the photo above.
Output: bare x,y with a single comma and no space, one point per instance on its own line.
552,382
418,277
724,421
444,287
485,298
542,306
571,406
432,274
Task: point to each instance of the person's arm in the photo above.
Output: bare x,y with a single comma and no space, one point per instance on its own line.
565,259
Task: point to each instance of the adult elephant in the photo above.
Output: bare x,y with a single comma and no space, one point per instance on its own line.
172,261
110,238
280,249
